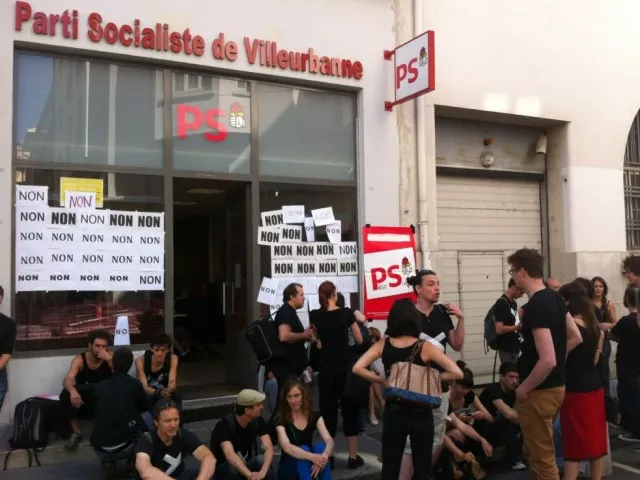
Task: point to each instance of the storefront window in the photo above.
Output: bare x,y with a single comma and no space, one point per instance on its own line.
342,200
77,111
306,134
211,124
62,319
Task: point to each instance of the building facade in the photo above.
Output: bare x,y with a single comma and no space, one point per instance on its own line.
204,116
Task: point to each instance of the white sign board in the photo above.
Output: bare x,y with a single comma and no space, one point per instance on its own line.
334,231
121,334
323,216
414,71
31,196
293,213
268,291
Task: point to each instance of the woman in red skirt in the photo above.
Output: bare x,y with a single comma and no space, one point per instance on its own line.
582,415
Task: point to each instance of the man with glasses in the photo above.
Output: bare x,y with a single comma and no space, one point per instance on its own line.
87,370
507,320
160,454
548,333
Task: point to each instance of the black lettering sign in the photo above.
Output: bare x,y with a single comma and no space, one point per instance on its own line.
121,331
267,290
327,268
149,259
305,268
150,279
148,221
32,260
92,238
291,234
59,277
32,217
149,240
92,219
62,237
28,278
348,267
282,251
63,218
305,251
31,236
282,268
118,278
31,196
89,278
121,259
93,258
325,250
121,220
121,239
347,250
61,257
273,220
269,236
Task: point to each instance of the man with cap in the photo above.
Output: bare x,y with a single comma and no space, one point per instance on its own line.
234,441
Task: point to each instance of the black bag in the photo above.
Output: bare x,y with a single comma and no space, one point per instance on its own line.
30,430
263,338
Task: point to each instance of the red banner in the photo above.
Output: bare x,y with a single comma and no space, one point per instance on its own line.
389,258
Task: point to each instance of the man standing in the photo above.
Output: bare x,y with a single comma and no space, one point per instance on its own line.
7,343
549,333
437,328
292,333
157,370
505,312
87,370
500,401
631,269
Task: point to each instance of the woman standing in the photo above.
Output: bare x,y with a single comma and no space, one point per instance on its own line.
332,325
296,423
606,313
402,420
582,415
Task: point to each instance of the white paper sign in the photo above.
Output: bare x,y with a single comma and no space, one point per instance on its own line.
309,229
32,196
268,291
293,213
348,284
282,268
80,200
323,216
272,219
347,250
348,267
334,231
268,236
121,336
291,234
326,268
304,319
314,302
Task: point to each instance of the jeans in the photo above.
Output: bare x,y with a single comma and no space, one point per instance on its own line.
536,414
629,401
271,391
401,424
227,472
502,432
294,469
4,385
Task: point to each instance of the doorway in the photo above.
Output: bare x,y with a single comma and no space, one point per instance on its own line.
211,276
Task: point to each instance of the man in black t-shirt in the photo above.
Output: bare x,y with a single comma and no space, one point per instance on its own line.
160,454
7,343
505,312
292,333
500,401
437,328
234,441
548,333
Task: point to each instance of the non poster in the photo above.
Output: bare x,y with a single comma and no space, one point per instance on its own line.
70,184
293,214
291,234
269,236
80,200
273,218
32,196
121,336
309,229
334,231
323,216
268,291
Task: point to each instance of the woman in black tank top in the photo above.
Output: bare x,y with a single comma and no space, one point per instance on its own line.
606,313
401,420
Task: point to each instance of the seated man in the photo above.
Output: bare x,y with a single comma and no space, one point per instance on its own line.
120,400
234,441
87,370
160,453
500,399
157,370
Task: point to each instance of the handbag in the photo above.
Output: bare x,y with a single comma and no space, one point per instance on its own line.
414,385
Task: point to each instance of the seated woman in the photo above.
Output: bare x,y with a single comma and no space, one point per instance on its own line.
296,422
463,402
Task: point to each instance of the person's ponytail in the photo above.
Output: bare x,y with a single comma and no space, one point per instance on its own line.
325,292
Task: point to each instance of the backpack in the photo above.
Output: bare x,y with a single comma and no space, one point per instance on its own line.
29,429
263,337
490,334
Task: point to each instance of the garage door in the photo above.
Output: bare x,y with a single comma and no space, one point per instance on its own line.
480,223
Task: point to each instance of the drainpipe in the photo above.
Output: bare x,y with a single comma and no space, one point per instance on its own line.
421,150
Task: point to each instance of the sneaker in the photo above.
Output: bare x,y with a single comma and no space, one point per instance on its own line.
107,471
628,437
354,463
73,441
373,420
518,466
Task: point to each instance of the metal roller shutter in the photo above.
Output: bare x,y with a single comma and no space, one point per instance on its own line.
480,223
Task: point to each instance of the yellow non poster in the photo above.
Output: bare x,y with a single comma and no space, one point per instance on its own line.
88,185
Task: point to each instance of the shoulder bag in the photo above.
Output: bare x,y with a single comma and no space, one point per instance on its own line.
414,385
